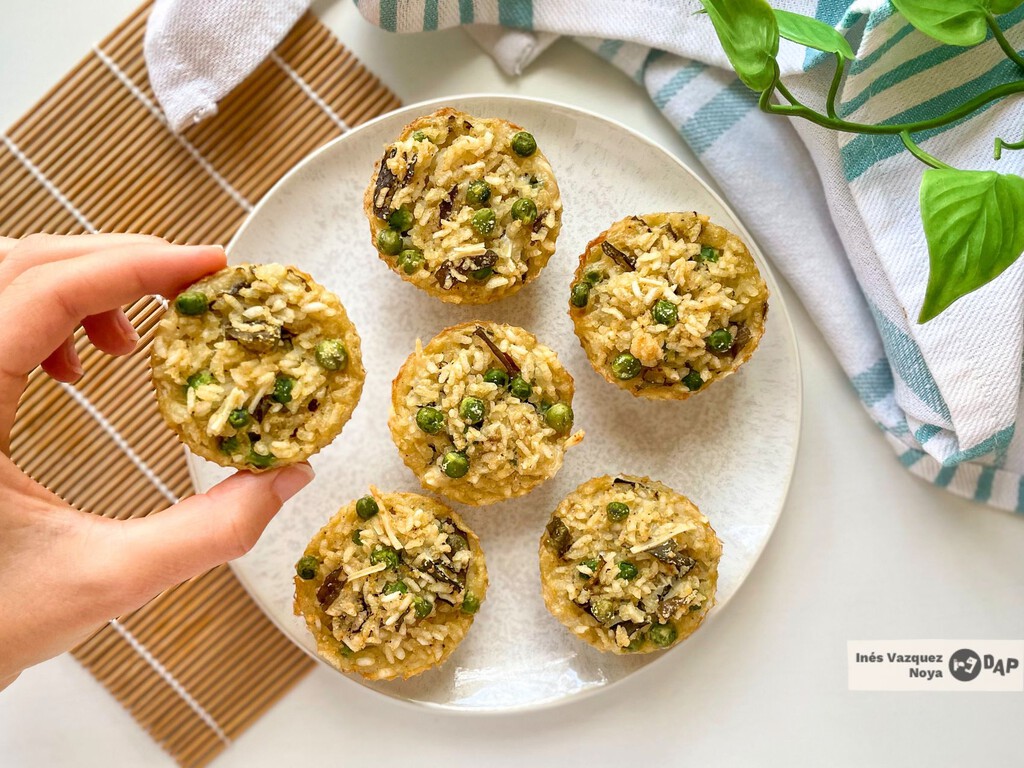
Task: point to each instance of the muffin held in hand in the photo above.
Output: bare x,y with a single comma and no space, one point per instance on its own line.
390,586
668,303
482,413
629,565
256,366
466,208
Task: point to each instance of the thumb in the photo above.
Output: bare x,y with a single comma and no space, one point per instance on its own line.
206,530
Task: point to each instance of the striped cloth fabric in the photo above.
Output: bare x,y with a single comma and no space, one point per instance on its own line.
837,214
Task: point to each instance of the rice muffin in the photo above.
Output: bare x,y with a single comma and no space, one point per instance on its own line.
629,565
256,366
466,208
482,413
668,303
390,586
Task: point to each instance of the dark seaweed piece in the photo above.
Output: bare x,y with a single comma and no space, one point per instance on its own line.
467,125
669,553
387,183
667,608
559,537
331,588
238,287
618,256
456,528
511,367
313,405
445,574
445,208
632,628
444,276
258,338
410,170
539,221
741,339
261,409
623,481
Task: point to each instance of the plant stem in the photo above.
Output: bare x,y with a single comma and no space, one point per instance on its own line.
837,78
789,96
920,154
965,109
1008,49
1001,145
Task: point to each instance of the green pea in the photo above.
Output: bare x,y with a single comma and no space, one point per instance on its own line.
617,511
470,603
481,274
306,567
627,570
719,340
496,376
389,242
283,386
331,354
625,366
400,219
471,409
559,418
693,381
199,378
484,221
396,586
457,542
345,651
590,563
580,294
260,460
637,643
238,418
429,419
478,192
593,276
366,507
455,464
663,634
665,312
410,260
707,253
520,387
357,537
422,607
601,609
385,555
420,136
230,445
192,303
525,210
523,144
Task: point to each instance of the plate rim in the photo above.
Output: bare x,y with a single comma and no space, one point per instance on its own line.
777,298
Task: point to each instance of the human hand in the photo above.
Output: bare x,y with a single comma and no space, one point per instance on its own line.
64,572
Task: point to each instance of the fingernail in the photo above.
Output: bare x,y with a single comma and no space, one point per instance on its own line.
127,329
291,480
73,363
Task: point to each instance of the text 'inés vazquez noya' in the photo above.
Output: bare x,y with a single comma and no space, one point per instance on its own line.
935,665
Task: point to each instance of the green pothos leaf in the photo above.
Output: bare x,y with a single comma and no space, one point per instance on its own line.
812,33
1003,6
974,225
749,33
954,22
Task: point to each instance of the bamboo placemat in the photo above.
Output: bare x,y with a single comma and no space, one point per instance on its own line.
201,662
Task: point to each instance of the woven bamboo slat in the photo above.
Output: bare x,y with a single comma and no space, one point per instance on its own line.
200,663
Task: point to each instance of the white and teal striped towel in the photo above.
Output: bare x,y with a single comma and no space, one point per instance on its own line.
837,214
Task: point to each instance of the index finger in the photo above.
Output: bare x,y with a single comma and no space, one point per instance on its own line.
44,304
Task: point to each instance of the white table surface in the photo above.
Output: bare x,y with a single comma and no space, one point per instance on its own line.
863,550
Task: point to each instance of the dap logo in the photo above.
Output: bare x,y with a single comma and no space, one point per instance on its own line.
965,664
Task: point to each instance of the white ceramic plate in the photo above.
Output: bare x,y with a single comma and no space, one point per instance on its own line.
731,449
